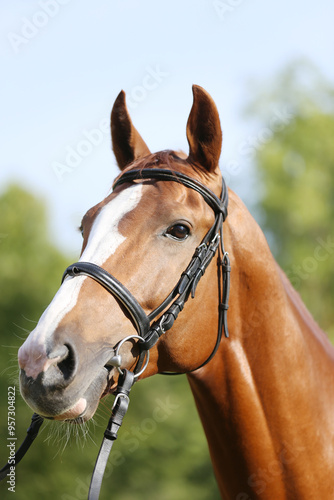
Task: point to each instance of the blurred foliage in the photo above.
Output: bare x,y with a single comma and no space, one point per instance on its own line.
161,451
29,265
295,163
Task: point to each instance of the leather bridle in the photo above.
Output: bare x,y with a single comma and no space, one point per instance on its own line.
186,286
152,326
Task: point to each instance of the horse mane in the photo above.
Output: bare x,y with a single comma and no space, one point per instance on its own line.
299,305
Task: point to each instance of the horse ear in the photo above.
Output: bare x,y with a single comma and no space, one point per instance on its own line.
127,143
204,132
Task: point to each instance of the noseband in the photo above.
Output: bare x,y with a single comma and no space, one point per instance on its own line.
152,326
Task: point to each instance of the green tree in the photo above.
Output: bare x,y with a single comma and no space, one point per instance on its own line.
295,165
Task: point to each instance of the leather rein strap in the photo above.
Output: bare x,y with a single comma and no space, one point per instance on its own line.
36,422
148,327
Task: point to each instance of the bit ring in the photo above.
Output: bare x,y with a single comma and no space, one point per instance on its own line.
147,354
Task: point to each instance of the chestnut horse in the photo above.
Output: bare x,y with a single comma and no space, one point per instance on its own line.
266,398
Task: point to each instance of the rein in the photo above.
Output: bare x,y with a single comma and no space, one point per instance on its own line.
152,326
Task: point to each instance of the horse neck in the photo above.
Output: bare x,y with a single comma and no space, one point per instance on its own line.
260,390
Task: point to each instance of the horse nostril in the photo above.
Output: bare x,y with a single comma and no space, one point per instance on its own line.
59,352
61,364
67,363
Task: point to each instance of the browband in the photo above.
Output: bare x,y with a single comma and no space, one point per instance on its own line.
218,205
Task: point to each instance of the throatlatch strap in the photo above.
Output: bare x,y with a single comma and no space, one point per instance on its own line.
36,422
226,269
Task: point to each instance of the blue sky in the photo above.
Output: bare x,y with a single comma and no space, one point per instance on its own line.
65,61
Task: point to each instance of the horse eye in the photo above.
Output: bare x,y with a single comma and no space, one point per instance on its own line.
81,230
178,232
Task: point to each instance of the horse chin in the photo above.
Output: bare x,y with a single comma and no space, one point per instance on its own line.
86,406
76,412
85,402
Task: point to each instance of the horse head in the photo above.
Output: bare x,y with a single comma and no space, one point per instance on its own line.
144,234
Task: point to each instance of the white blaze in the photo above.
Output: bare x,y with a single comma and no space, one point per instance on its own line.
103,241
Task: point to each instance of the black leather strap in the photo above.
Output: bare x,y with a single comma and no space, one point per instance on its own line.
225,270
36,422
113,286
218,205
125,382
